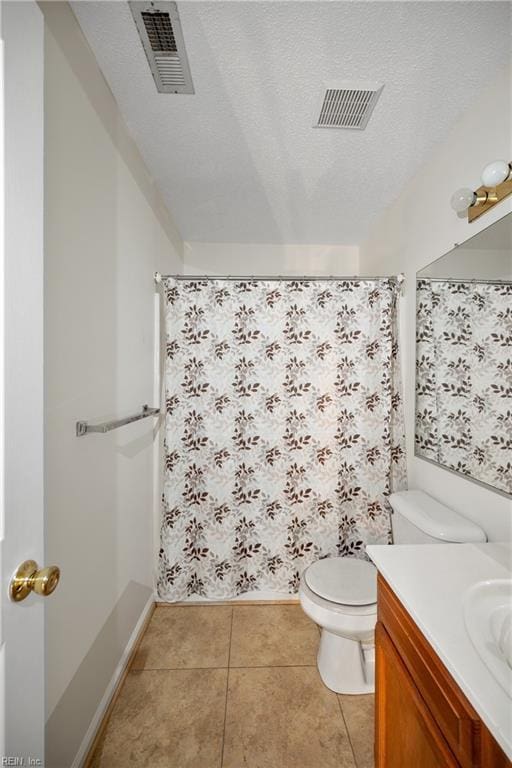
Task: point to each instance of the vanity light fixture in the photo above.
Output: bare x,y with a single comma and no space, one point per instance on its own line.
496,185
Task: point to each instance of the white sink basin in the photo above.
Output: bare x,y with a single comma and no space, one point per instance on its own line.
488,618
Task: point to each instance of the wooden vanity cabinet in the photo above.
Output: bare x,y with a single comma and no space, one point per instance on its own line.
423,720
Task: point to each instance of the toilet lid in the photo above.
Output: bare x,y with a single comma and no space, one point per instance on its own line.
343,580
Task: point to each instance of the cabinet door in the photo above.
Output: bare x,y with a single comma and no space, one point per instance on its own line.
406,733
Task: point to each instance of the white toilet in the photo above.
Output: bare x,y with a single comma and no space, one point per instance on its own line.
340,593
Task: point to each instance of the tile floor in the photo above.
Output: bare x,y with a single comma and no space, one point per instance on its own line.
233,687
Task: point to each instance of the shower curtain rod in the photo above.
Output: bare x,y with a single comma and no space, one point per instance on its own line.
300,278
464,280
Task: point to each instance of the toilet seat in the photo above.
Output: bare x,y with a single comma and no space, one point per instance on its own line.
343,581
327,607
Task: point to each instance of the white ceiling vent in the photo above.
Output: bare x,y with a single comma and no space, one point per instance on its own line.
348,105
159,28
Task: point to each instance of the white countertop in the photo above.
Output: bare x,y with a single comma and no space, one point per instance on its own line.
430,581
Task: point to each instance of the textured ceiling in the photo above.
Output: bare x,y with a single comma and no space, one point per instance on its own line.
239,161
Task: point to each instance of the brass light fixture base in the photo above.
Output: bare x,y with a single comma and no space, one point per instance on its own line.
489,197
30,578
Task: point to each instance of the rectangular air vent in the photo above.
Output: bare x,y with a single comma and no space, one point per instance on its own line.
159,28
348,105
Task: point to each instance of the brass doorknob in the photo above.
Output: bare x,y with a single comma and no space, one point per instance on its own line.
30,578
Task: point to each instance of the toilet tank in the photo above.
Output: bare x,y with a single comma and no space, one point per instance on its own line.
419,519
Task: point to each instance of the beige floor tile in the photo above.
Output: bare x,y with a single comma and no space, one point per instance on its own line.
166,719
272,635
359,713
186,638
283,717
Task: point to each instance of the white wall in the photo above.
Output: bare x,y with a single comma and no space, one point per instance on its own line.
419,227
270,259
107,231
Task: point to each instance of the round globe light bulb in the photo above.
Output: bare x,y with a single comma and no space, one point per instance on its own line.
462,199
495,173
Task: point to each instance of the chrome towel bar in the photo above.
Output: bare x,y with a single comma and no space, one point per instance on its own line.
83,427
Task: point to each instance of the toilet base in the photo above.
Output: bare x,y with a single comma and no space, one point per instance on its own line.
346,666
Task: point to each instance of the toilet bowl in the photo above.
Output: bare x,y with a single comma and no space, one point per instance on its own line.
340,593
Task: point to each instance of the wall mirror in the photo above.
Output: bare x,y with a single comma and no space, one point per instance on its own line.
464,358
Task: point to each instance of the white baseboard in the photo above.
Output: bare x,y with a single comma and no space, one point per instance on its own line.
88,739
258,595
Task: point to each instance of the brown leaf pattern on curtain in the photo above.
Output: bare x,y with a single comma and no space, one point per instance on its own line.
464,378
284,430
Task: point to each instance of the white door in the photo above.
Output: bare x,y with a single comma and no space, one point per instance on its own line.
21,379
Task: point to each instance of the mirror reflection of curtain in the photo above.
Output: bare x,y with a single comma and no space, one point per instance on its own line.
464,378
284,430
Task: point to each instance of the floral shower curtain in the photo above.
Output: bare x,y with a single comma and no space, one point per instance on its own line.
284,431
464,378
